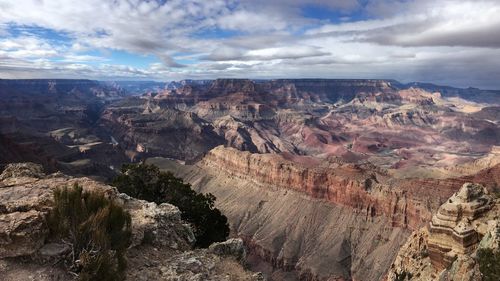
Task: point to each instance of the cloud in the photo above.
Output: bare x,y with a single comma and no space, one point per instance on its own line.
170,62
251,22
428,40
27,47
447,23
225,53
296,52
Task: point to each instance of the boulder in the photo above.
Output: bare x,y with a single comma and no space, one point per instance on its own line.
158,225
20,172
21,233
233,247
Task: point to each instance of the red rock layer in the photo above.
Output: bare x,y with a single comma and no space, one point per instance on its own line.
409,202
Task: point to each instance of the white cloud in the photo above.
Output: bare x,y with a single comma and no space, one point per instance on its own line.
283,52
251,22
293,52
27,47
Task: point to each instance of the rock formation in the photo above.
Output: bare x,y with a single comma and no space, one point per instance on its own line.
366,160
161,242
69,125
451,229
446,248
357,120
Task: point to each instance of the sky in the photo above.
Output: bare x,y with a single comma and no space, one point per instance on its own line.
448,42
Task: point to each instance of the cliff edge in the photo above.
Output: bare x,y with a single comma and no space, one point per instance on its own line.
161,247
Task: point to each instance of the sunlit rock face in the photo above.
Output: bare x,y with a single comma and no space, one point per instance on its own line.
446,249
288,233
452,229
340,204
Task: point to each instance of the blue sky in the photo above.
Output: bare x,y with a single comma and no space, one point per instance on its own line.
441,41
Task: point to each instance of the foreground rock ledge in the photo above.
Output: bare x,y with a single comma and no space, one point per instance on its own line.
25,200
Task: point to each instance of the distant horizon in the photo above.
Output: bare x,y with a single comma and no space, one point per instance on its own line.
256,79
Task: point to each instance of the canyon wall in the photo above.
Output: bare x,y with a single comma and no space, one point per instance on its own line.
360,186
292,235
313,218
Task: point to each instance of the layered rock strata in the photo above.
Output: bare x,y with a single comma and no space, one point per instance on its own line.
253,188
290,235
452,231
446,249
361,186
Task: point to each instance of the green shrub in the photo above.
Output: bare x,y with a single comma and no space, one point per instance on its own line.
97,230
489,264
147,182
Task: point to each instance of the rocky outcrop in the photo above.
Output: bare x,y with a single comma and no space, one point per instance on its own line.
26,200
451,229
446,248
221,261
18,171
232,247
26,251
159,225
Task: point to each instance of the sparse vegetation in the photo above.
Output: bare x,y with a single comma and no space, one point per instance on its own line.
489,264
147,182
404,275
97,230
424,253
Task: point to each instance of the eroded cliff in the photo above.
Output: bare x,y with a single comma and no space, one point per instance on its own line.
318,218
447,248
297,236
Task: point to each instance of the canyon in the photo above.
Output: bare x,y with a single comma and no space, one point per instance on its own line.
322,179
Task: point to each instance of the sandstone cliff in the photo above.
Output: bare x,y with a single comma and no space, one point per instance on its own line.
292,209
161,246
446,249
363,187
297,236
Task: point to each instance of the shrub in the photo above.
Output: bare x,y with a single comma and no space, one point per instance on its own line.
147,182
489,264
97,230
424,253
404,275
